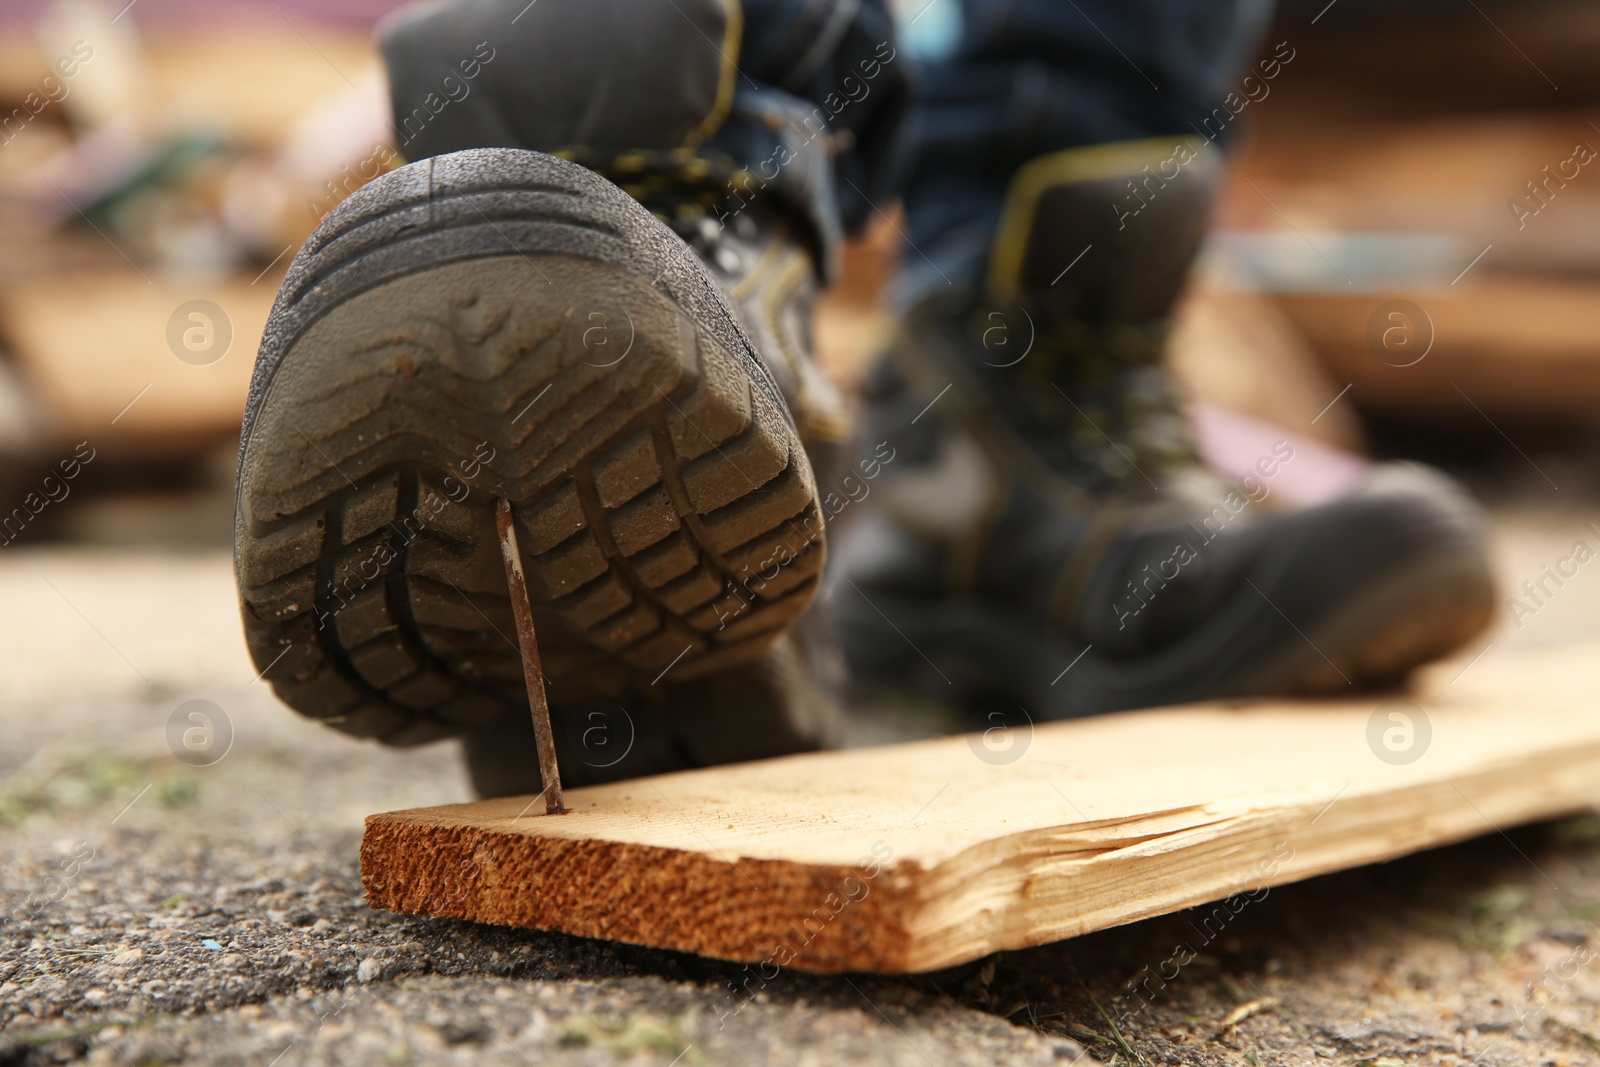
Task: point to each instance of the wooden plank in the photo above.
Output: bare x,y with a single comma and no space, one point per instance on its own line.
919,856
1452,176
1512,304
97,350
252,80
1521,349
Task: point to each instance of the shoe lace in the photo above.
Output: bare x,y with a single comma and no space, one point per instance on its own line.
696,194
688,190
1099,400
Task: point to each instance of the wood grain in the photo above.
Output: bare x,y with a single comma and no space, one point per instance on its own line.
918,856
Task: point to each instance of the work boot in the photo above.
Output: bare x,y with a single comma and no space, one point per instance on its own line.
1046,542
501,323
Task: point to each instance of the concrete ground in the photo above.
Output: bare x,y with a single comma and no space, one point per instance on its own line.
158,911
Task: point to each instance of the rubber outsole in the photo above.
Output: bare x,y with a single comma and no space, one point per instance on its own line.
502,323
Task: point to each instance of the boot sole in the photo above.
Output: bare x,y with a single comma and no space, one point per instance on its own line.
500,323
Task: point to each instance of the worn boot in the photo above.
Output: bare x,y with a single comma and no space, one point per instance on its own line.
1046,536
632,372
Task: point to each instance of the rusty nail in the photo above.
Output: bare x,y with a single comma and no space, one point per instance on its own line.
532,669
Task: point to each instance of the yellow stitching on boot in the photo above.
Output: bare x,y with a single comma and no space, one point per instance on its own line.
732,33
1090,163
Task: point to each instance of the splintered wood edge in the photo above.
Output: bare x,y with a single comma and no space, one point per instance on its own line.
889,914
976,878
643,894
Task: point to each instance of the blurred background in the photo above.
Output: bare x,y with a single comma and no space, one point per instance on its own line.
1406,263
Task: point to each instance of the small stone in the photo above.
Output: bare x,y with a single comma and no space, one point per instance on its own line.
128,957
368,970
